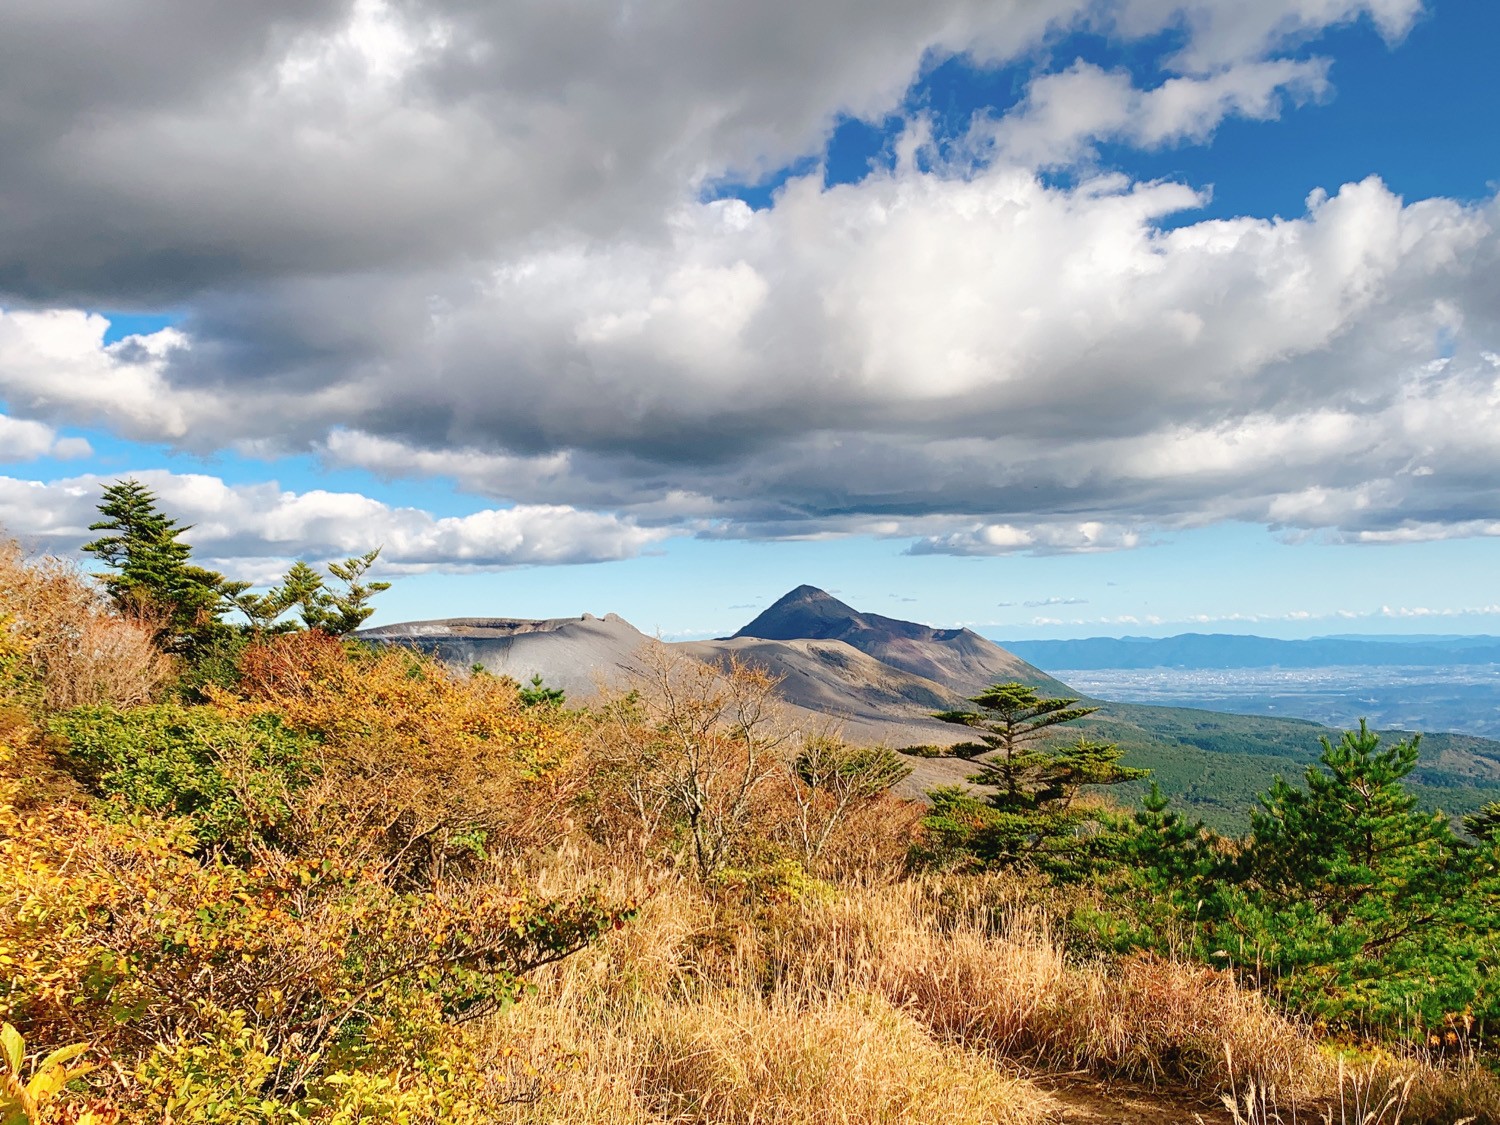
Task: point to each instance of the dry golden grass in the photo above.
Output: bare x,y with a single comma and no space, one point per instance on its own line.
665,1023
1464,1092
1001,983
920,1001
728,1057
869,1004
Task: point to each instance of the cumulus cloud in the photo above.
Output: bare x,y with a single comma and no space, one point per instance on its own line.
1443,611
1046,538
1064,114
54,364
1220,34
251,529
22,440
1384,611
988,364
469,241
166,149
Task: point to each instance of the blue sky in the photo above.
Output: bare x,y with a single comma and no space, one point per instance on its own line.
1135,317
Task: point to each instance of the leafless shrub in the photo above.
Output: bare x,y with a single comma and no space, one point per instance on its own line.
78,649
693,747
831,784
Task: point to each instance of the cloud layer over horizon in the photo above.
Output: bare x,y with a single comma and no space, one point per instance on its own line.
253,530
482,244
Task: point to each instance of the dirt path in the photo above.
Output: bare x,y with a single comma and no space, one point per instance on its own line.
1085,1101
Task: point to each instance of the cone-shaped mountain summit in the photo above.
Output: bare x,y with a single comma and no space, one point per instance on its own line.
806,613
957,658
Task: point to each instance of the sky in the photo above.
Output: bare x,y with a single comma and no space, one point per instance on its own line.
1047,317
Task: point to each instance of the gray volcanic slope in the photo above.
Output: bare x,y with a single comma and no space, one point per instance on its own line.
572,653
958,658
582,654
870,672
831,676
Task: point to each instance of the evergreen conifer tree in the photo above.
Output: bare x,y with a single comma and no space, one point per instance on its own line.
1485,824
345,610
1355,899
1167,849
153,575
1011,718
336,611
1030,813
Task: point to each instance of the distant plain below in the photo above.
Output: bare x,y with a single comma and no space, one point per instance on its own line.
1425,684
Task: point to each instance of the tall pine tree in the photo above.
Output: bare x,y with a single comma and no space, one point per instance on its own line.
153,575
1011,718
1030,813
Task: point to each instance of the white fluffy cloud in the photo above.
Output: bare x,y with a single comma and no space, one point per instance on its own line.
27,441
256,527
53,364
1028,367
1065,113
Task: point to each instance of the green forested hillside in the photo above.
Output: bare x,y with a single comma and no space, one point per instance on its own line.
1216,763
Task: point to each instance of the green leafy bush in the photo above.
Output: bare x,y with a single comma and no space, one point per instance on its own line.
1346,901
231,777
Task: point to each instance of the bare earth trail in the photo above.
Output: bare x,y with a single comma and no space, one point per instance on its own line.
1086,1101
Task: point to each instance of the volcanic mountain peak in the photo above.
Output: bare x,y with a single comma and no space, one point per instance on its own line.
957,658
808,613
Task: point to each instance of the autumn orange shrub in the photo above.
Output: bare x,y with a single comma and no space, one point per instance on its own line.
429,768
345,692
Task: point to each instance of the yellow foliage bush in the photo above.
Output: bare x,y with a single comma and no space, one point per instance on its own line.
220,1077
116,935
120,936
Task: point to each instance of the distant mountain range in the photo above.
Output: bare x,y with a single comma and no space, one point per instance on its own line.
881,679
1224,650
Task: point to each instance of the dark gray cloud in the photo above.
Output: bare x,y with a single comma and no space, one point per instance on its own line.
155,151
